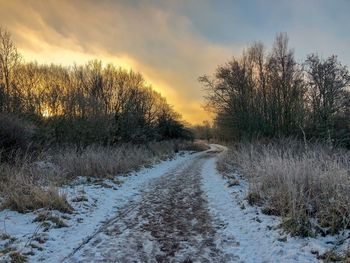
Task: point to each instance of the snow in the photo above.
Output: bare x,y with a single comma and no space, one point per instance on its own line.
249,234
242,230
103,202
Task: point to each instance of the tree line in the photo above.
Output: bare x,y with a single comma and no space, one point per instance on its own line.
266,93
84,104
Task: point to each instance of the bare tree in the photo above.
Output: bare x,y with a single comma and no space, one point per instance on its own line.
327,82
9,60
84,104
258,94
286,87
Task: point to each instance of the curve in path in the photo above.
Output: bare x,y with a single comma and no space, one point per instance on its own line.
169,223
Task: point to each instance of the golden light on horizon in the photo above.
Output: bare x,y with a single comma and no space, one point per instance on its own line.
165,49
66,57
171,46
46,113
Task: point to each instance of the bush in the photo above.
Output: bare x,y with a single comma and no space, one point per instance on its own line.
15,136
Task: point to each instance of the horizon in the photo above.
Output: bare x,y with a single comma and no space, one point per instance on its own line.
179,42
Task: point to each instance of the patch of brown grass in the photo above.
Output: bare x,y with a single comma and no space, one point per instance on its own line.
253,198
21,193
197,146
17,257
333,256
46,217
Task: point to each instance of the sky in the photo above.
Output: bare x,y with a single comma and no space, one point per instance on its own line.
172,42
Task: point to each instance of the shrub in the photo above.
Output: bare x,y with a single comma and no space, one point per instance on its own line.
15,136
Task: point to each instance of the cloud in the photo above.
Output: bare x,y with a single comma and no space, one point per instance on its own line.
147,36
172,42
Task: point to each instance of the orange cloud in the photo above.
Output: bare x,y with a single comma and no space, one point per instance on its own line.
162,45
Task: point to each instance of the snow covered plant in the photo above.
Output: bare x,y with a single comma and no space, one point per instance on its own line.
308,185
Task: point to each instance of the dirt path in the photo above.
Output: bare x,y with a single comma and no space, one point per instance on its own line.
170,222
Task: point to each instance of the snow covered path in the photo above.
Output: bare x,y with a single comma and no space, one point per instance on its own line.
190,215
169,223
181,210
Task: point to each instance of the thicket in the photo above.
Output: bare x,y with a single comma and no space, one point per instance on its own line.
58,123
80,105
268,94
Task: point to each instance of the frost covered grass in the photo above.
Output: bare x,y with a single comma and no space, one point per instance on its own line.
107,162
50,236
31,183
308,185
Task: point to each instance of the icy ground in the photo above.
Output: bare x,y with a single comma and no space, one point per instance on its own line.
181,210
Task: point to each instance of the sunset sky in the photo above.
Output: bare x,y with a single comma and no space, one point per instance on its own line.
172,42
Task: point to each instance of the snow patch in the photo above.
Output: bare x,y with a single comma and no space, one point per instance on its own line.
94,204
247,233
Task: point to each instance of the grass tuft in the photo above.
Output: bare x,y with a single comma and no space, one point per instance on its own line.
17,257
23,194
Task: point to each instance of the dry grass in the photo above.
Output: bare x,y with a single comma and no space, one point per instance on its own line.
46,217
27,185
334,256
197,146
22,193
24,189
17,257
107,162
298,182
